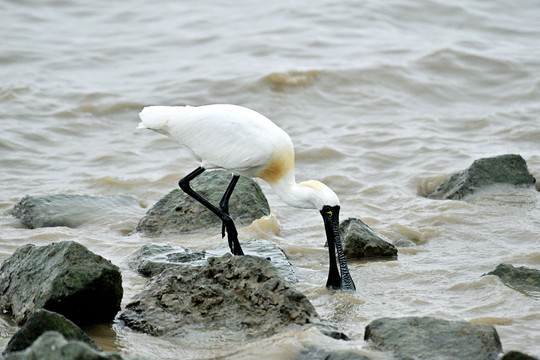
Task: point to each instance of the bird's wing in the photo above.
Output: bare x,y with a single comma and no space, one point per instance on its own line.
226,136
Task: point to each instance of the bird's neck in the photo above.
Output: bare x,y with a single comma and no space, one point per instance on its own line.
293,194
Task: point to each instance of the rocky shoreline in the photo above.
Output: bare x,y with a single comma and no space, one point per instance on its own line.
52,290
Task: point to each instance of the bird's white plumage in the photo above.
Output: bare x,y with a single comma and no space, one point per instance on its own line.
220,136
240,140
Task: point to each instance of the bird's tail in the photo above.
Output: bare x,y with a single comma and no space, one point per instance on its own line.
157,117
154,118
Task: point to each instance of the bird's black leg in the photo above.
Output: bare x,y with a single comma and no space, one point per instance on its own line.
225,218
224,203
347,282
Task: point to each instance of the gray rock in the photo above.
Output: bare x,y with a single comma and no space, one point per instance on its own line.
70,210
507,169
178,213
63,277
241,294
522,279
152,259
51,345
361,242
41,321
430,338
516,355
316,353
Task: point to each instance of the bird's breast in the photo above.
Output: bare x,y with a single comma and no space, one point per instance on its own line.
281,163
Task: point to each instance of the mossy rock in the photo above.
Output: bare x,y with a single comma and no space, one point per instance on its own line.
178,213
64,277
40,322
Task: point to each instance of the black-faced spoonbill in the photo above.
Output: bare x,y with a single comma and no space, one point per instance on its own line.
247,143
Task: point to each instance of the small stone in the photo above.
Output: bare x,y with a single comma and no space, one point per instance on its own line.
361,242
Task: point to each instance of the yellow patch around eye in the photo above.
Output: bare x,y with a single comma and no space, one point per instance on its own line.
329,213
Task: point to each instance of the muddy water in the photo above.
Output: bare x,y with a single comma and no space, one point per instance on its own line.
382,100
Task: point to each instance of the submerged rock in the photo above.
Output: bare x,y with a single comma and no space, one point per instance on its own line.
522,278
69,210
41,321
178,213
152,259
64,277
316,353
51,345
430,338
361,242
236,293
507,169
516,355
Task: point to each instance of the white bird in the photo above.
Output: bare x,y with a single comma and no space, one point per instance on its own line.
247,143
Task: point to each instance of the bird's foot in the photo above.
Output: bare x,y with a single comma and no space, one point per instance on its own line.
344,283
333,287
232,238
347,283
334,281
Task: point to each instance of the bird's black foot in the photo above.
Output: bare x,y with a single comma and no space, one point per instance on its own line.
334,280
347,283
232,237
337,282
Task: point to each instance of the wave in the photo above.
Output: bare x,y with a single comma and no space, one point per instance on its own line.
280,80
99,109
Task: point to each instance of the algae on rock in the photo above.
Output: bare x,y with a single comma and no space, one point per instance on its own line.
178,212
64,277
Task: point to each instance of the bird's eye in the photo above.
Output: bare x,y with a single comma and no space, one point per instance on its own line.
329,212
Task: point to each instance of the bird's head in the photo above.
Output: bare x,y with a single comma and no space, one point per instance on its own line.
326,201
321,195
330,216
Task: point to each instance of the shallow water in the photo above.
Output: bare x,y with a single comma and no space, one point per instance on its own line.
382,101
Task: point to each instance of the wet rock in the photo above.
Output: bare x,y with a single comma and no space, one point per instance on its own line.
152,259
178,213
41,321
516,355
430,338
315,353
361,242
507,169
241,294
51,345
70,210
64,277
522,279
